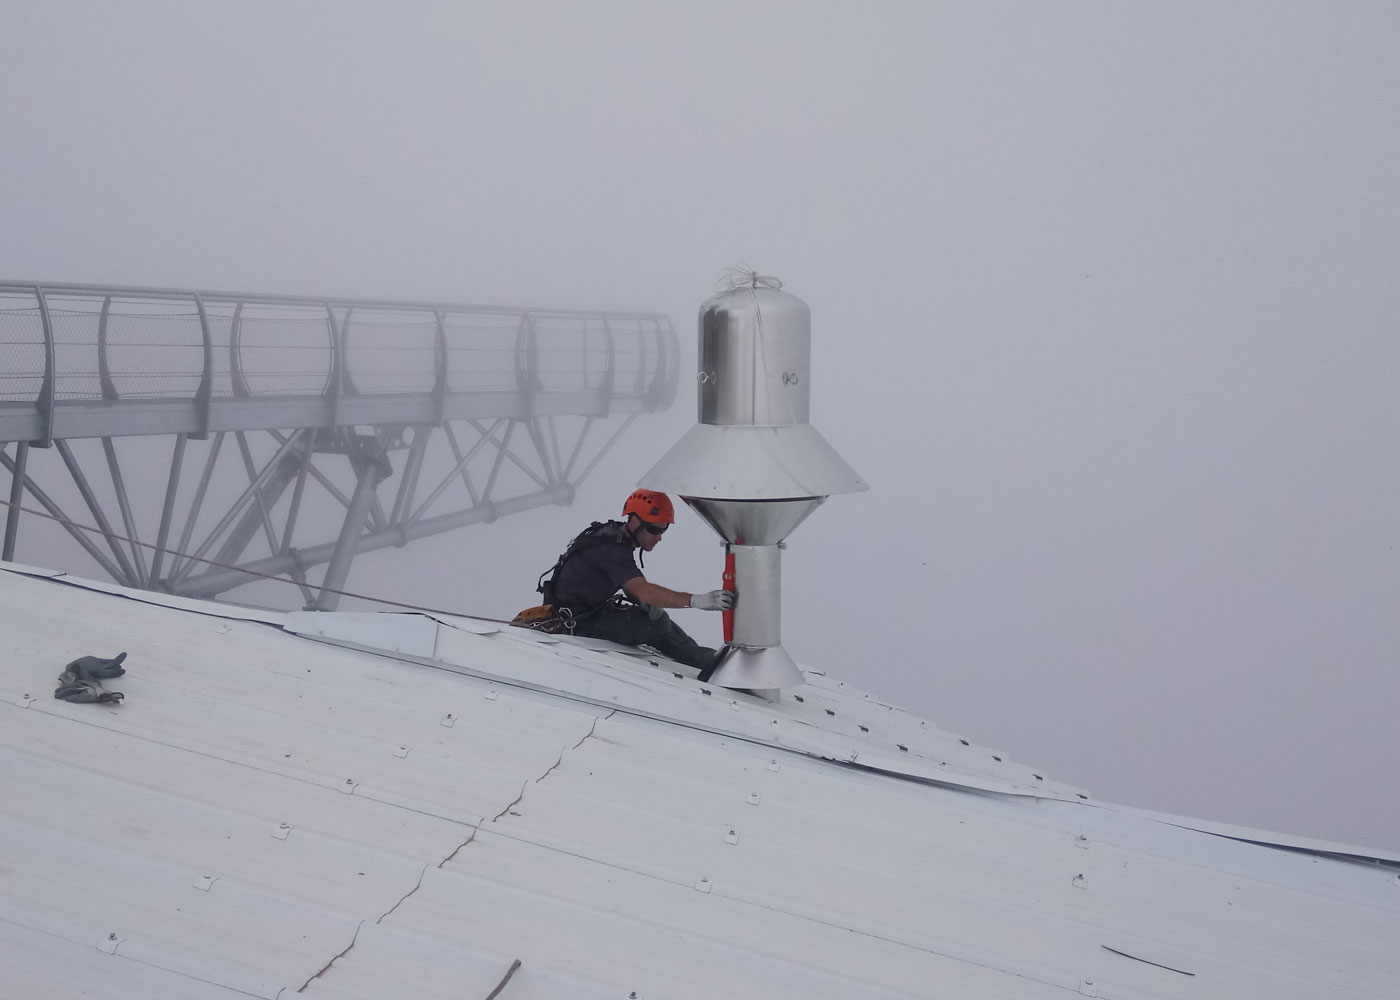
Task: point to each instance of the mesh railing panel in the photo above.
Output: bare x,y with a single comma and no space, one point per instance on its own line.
481,352
154,347
285,353
391,352
21,351
155,355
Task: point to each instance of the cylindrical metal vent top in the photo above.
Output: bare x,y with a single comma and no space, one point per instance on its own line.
755,354
753,441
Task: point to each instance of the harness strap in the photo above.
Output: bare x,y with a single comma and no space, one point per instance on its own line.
590,537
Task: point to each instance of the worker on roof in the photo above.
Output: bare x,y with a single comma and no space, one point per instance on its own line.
602,560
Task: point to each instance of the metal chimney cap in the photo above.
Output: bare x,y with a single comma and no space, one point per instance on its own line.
737,462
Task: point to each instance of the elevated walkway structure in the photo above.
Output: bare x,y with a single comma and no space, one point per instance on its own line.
279,415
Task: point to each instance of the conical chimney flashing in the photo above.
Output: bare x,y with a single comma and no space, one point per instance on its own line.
752,467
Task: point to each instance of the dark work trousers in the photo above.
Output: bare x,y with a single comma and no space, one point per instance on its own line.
645,625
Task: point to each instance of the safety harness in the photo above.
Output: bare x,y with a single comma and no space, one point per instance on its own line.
551,617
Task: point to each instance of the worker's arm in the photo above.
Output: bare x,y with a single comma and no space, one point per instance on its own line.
639,588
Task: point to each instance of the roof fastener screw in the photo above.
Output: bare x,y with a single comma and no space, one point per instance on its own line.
112,936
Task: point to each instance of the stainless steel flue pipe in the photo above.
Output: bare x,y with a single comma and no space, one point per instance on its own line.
753,467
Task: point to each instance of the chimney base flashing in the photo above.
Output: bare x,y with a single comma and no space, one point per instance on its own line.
761,669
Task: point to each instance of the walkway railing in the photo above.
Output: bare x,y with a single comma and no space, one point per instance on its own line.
91,361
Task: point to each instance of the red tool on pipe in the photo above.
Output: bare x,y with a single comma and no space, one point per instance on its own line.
729,586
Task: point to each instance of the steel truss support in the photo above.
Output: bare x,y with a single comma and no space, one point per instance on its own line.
293,483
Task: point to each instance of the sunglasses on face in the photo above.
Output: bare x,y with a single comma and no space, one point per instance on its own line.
655,529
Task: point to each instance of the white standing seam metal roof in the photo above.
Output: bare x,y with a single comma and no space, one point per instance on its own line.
370,806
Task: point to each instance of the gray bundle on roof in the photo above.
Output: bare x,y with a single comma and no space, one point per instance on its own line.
81,681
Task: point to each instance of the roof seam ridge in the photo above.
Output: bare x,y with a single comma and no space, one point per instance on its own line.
582,699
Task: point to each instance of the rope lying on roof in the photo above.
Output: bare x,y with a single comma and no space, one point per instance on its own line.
502,984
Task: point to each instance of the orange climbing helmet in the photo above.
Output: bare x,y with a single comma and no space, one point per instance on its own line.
651,507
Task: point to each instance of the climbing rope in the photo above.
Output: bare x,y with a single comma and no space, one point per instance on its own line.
279,578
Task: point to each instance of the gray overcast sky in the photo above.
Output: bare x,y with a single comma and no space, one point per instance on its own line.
1104,307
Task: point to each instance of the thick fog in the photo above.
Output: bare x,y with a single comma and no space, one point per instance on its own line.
1104,304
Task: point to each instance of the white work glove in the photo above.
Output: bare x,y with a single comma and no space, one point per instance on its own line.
715,600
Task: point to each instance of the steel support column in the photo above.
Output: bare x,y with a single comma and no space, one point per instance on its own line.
264,499
167,511
371,470
17,476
